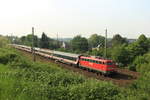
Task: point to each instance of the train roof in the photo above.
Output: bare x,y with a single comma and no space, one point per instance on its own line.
66,54
45,50
58,52
21,45
98,59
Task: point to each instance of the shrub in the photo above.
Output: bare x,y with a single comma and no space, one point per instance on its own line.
7,56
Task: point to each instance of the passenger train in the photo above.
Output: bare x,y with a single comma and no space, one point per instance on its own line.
97,64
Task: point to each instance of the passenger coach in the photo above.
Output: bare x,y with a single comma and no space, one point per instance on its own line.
66,57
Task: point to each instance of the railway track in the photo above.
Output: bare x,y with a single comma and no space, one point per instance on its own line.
123,77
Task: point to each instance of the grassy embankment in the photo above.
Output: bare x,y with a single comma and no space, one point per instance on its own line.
21,79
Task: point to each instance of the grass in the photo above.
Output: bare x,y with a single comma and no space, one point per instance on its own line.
21,79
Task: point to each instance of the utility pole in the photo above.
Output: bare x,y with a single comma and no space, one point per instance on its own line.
11,38
105,43
57,40
33,51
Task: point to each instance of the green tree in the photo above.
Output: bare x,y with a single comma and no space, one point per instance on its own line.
120,55
149,44
44,42
96,40
23,39
144,43
96,52
54,44
79,43
118,40
27,40
3,42
138,48
139,61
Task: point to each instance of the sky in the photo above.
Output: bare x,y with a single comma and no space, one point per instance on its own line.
69,18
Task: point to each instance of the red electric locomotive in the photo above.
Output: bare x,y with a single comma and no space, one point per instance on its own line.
98,64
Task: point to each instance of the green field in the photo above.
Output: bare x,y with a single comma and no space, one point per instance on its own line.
21,79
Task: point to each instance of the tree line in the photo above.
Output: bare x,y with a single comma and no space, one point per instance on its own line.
119,49
43,42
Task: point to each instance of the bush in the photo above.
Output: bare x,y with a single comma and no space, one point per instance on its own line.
94,90
140,63
132,67
7,56
21,79
3,42
142,84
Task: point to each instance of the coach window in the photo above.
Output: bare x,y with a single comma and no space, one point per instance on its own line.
67,57
74,59
59,55
71,58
